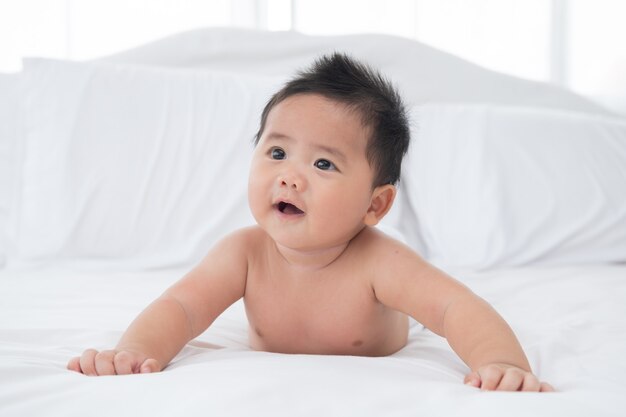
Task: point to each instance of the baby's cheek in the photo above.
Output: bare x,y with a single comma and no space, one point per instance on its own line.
255,197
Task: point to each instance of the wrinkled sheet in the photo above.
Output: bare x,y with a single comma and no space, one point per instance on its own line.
570,320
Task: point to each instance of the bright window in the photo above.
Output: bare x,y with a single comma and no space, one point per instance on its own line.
575,43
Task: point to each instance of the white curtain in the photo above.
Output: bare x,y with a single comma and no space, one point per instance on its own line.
574,43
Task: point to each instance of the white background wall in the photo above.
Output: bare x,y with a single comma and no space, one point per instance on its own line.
578,44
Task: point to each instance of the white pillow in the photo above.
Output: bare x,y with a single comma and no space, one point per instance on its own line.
9,158
133,167
423,73
504,186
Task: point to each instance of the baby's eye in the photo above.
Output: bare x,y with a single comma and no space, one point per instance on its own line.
277,153
325,165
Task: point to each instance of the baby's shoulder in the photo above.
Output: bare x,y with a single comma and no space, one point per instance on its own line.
371,238
246,238
377,248
237,248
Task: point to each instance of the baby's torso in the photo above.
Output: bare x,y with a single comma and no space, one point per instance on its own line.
333,311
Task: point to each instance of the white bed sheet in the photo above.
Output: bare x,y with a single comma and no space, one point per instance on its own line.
570,321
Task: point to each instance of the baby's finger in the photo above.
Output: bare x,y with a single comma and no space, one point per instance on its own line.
149,366
490,377
104,362
512,380
531,383
472,379
545,387
74,364
87,365
124,363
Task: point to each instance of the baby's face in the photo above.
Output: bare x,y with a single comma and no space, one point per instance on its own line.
310,183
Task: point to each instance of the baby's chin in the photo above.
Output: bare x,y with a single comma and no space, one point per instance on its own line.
309,244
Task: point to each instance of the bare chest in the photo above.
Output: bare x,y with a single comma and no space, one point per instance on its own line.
331,312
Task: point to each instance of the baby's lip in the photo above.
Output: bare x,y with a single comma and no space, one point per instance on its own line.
288,207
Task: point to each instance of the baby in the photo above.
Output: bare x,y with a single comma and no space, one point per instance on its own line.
315,275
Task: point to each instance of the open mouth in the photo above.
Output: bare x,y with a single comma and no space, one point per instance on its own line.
288,208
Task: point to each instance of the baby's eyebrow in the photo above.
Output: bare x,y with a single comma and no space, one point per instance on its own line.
333,151
329,149
276,135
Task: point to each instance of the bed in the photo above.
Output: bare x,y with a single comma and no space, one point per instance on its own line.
116,176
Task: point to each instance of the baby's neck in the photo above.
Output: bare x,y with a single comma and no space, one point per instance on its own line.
311,260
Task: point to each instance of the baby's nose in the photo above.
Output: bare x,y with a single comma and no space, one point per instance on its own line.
292,180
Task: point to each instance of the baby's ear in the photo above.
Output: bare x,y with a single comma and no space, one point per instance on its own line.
382,199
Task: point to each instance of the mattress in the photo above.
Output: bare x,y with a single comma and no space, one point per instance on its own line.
570,321
109,172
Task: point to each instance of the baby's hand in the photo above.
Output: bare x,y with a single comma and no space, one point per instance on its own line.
504,377
112,362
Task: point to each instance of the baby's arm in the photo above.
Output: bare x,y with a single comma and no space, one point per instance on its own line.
182,313
474,330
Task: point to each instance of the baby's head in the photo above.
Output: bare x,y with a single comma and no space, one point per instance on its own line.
328,154
365,91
